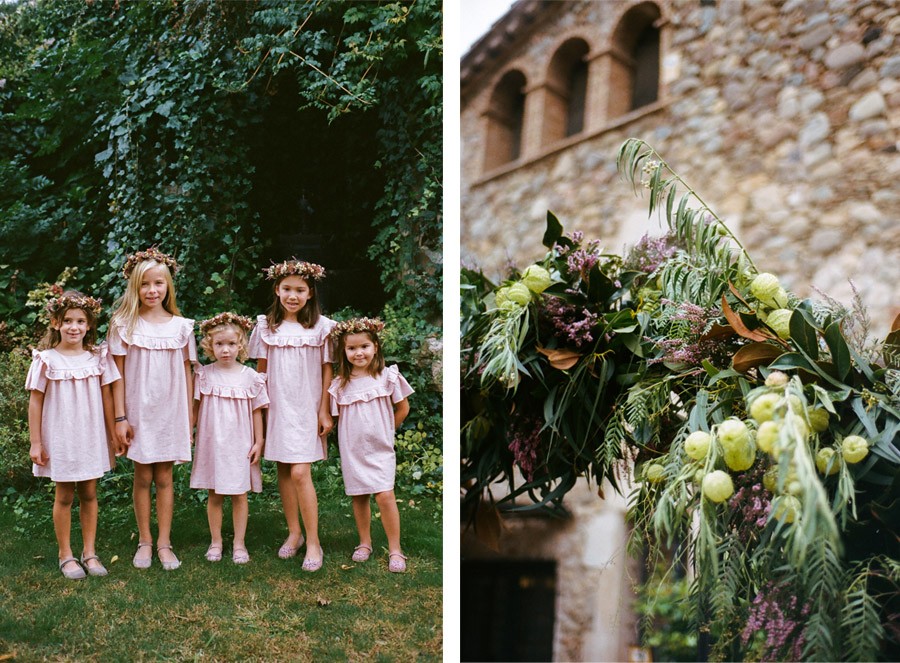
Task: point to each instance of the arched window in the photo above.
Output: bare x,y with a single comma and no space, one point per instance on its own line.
505,115
566,91
634,71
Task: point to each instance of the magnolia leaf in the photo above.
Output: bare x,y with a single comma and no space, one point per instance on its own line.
754,355
738,325
554,231
804,335
734,291
561,359
896,324
718,331
840,353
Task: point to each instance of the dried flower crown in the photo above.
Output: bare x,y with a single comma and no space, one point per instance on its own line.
65,302
294,267
226,318
152,253
355,326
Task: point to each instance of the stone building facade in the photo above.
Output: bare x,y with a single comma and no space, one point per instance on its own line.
784,115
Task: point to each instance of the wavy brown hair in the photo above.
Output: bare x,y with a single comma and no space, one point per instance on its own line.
344,367
52,337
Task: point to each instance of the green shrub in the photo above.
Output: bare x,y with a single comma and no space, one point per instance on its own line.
15,465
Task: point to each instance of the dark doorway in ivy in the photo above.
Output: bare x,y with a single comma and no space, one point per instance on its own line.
315,186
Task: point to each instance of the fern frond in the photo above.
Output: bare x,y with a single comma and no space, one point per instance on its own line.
861,625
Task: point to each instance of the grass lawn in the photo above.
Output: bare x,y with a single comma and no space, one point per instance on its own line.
268,609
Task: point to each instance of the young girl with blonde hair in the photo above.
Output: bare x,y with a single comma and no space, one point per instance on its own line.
369,400
153,347
291,345
228,401
70,419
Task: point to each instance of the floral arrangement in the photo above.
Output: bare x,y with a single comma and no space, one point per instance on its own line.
226,318
755,432
294,267
355,326
66,302
134,259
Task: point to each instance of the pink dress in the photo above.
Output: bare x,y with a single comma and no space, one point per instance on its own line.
295,357
156,397
73,430
366,429
225,430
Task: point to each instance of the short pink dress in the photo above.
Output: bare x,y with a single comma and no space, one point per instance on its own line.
156,397
73,430
366,429
295,357
225,430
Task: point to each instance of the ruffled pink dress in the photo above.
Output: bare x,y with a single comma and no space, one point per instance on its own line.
156,397
366,429
225,430
73,430
295,357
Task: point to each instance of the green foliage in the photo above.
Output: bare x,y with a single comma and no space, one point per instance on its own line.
643,352
420,464
663,603
15,465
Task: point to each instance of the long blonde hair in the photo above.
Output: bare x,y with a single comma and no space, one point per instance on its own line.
128,306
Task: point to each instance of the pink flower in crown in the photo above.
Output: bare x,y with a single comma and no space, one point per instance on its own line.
66,302
152,253
241,321
355,326
294,267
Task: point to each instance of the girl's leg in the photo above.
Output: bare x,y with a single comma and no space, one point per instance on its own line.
62,520
289,503
87,512
214,507
240,512
165,506
362,514
390,519
143,478
301,475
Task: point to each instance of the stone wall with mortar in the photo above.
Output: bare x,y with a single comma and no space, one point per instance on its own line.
783,115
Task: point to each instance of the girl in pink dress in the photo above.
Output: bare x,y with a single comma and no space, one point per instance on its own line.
228,402
153,347
70,419
369,400
291,345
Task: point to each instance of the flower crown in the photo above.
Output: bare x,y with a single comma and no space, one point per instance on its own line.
152,253
355,326
226,318
294,267
65,302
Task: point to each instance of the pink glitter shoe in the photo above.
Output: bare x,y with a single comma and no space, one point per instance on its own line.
361,552
397,563
313,564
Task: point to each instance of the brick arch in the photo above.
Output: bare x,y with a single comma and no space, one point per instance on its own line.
504,119
635,47
566,84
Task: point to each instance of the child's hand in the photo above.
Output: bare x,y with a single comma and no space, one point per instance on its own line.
326,423
254,453
38,455
124,434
